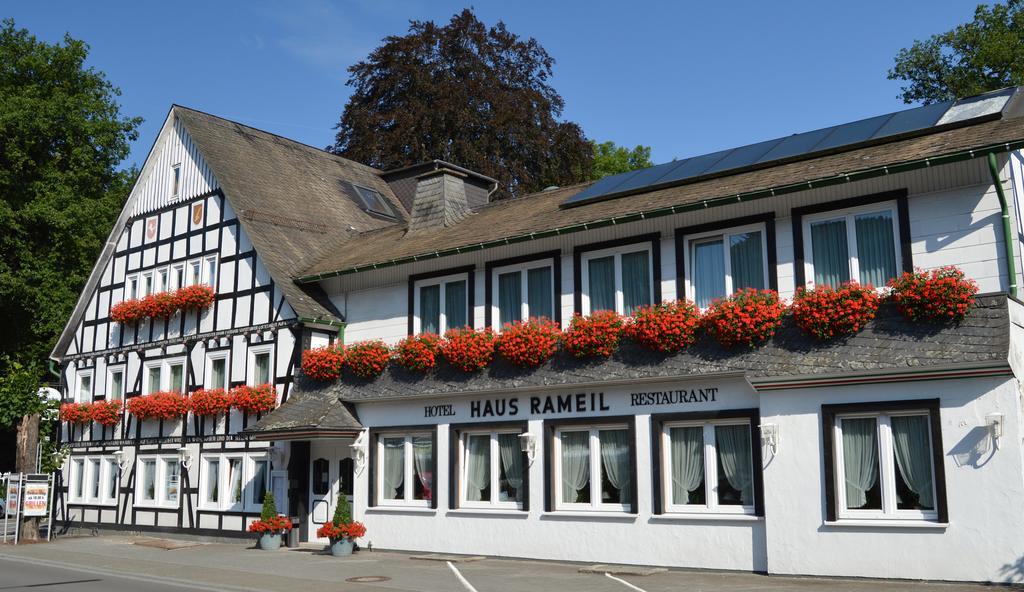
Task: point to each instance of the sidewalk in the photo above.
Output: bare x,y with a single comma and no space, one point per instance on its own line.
234,567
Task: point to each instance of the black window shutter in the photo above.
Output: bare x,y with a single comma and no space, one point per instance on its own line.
632,467
371,461
453,468
434,463
657,506
549,459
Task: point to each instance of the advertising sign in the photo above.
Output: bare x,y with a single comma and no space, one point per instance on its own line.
12,498
35,499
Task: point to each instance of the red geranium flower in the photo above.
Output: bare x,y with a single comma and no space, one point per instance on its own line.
827,313
275,525
468,349
198,297
323,363
367,359
418,352
597,335
529,343
209,401
254,399
666,327
748,317
75,413
127,311
158,405
942,294
106,412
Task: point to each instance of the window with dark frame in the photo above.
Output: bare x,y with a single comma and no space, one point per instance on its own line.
489,468
590,465
373,201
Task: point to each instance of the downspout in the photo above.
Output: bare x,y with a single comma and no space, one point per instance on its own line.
49,366
1011,264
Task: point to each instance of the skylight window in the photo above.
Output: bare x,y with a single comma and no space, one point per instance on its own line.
373,202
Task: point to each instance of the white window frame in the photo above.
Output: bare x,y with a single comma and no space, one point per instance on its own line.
79,376
886,470
250,374
175,180
147,284
711,505
160,481
131,286
248,464
194,274
165,374
147,386
163,279
177,276
409,470
85,478
523,270
849,215
596,469
617,253
495,465
724,235
207,377
111,371
210,274
439,281
76,484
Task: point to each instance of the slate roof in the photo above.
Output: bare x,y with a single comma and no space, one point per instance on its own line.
889,343
307,412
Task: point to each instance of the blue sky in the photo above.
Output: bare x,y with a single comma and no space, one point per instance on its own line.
685,78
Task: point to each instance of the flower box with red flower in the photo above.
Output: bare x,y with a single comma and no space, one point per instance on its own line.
76,413
254,399
159,405
106,413
828,313
667,327
367,359
323,363
468,349
529,343
160,305
196,297
748,317
209,402
597,335
418,353
942,294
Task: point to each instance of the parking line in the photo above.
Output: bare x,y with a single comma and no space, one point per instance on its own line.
625,583
465,582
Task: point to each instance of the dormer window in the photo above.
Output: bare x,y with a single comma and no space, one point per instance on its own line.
373,202
175,180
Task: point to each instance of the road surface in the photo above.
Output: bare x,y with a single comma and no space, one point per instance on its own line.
21,576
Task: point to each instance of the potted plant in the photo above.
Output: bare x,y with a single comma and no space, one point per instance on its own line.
341,530
270,525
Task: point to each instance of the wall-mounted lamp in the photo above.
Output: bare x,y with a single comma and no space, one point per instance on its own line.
770,437
528,444
185,457
359,450
994,421
119,459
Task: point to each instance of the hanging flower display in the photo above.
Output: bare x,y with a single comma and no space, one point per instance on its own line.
254,399
827,312
418,352
208,402
76,413
162,304
106,413
127,311
667,327
367,359
323,363
748,317
468,349
158,405
942,294
596,335
529,343
194,297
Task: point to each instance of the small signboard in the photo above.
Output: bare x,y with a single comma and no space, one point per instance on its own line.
12,498
36,497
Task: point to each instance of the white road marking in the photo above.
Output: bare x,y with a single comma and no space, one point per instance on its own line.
625,583
465,582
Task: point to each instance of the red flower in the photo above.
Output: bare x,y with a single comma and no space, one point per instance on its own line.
76,413
367,359
468,349
529,343
158,405
254,399
106,412
323,363
198,297
209,401
595,335
418,352
127,311
351,530
666,327
162,304
275,525
827,313
748,317
942,294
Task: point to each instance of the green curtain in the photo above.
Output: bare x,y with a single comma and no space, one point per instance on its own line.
746,260
430,309
510,297
601,274
876,250
636,280
708,274
831,255
455,306
540,293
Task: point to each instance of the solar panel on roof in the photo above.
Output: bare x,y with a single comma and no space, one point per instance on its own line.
695,166
649,176
600,187
852,133
913,119
743,156
795,144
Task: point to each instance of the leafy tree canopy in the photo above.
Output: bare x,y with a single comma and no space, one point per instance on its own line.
610,159
475,96
62,136
982,55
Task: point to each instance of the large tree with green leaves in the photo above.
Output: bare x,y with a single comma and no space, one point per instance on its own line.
62,137
610,159
982,55
476,96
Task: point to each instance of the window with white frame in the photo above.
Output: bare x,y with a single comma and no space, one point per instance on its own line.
163,279
708,466
405,469
168,375
195,272
210,272
94,480
884,463
115,383
859,243
441,304
77,479
131,287
176,376
234,481
721,262
217,370
175,180
159,481
177,276
152,381
620,279
522,291
260,365
593,468
83,386
492,472
147,284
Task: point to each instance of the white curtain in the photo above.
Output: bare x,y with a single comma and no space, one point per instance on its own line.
539,292
615,461
708,275
512,462
601,275
455,308
876,250
687,462
575,464
860,459
393,473
636,280
235,470
510,297
478,467
735,453
422,455
830,253
430,309
913,456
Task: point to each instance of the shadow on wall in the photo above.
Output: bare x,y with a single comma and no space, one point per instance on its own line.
1013,572
974,449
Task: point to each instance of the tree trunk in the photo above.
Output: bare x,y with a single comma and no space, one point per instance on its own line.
28,446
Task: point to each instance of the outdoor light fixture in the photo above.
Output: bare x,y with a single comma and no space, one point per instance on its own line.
770,437
994,421
358,448
119,458
528,444
185,457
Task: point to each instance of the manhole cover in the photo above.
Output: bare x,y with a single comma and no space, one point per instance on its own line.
365,579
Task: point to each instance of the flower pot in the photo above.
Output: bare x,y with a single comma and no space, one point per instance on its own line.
341,547
269,542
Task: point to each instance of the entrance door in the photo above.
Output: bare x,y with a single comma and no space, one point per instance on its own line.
330,472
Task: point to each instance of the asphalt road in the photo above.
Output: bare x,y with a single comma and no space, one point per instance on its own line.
22,576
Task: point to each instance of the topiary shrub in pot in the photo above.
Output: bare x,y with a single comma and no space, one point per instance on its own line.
271,525
341,530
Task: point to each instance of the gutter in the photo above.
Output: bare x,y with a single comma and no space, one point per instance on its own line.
1011,263
839,179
